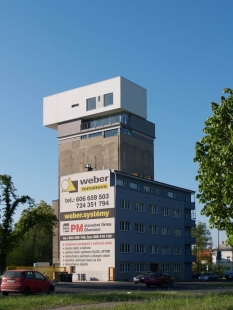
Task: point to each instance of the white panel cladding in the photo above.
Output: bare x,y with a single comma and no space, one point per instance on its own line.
71,104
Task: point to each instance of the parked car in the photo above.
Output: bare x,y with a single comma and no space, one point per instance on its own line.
141,277
25,282
208,276
229,275
159,279
196,275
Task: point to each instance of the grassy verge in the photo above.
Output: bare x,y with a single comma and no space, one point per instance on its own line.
169,300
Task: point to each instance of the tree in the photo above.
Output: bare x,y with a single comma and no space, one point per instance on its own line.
9,203
202,247
35,229
214,155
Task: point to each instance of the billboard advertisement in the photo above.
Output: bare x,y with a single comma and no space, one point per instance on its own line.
87,223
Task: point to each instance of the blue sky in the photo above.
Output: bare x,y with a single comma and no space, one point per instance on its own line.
180,51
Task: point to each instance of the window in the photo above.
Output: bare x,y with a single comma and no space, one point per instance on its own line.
125,267
125,248
95,134
120,182
147,189
72,269
125,226
133,185
165,230
139,267
91,104
139,207
153,249
177,250
165,211
176,232
176,267
139,228
171,195
83,137
165,250
126,131
176,213
153,209
108,99
139,249
165,267
158,191
38,276
125,204
110,133
186,198
153,229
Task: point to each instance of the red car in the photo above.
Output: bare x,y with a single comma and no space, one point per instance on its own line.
25,282
160,279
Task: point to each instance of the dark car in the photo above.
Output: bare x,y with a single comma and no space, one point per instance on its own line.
229,275
25,282
141,277
208,276
159,279
196,275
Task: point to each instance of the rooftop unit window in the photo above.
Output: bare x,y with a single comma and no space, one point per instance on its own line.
91,104
108,99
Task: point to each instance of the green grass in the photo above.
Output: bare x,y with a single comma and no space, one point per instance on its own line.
169,300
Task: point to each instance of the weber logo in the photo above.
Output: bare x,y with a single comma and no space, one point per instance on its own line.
94,180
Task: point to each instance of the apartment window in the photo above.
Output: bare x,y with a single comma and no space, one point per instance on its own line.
158,191
83,137
126,131
133,185
153,229
147,189
177,267
108,99
139,228
177,250
139,267
125,226
186,198
125,248
139,248
165,230
139,207
165,211
171,195
125,268
176,232
153,209
125,204
166,267
165,250
95,134
91,104
176,213
153,249
120,182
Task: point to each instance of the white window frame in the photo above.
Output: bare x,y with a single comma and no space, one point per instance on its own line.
140,228
139,207
125,204
171,195
125,226
166,250
176,232
177,250
125,267
139,248
133,186
166,231
153,209
177,267
153,249
166,267
165,211
147,189
154,229
177,213
139,267
125,248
